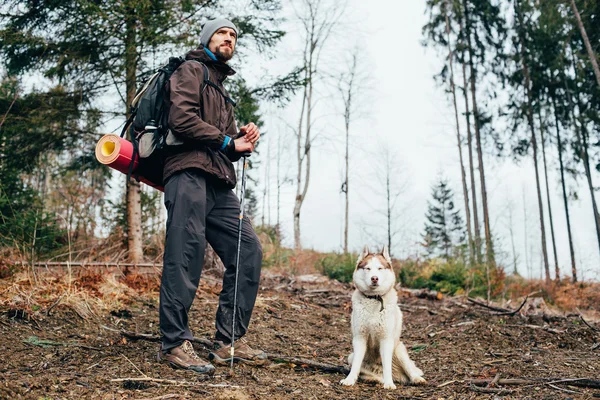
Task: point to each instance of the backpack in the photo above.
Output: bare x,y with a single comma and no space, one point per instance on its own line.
148,122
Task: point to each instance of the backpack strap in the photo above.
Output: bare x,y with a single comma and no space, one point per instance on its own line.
227,99
208,82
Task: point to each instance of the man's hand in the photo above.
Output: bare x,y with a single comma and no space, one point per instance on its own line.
242,145
250,132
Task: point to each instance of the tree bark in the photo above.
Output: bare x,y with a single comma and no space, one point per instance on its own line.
556,269
134,207
527,84
317,27
582,151
490,258
463,175
348,99
300,159
389,208
564,191
477,238
586,40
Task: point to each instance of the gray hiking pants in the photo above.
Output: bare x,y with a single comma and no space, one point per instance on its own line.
198,210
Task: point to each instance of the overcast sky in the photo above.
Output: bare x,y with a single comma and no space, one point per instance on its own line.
415,121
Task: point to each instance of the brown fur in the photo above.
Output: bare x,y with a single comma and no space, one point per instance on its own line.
363,263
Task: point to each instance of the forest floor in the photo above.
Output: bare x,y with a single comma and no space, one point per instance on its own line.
61,342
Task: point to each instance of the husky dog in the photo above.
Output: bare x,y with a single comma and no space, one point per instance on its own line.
378,355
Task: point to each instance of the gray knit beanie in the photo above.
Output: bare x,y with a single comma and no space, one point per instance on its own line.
212,26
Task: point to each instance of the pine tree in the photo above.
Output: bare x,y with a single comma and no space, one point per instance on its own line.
444,228
97,47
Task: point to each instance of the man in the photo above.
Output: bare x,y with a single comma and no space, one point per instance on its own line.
199,177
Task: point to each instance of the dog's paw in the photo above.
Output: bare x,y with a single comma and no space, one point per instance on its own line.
349,381
389,385
418,380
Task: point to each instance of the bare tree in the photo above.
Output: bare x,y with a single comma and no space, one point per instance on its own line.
476,228
527,84
564,190
318,20
486,218
134,207
556,269
463,174
512,238
388,185
350,83
528,266
347,87
581,146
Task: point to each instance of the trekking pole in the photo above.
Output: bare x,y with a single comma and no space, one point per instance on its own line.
237,259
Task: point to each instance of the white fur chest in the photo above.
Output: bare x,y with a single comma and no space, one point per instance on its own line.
369,320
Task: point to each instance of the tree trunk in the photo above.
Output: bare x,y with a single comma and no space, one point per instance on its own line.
533,143
586,40
134,207
477,238
564,191
582,151
490,258
588,175
346,189
463,175
556,269
512,240
389,209
300,159
528,266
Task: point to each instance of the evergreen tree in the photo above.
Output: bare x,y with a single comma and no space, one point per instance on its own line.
444,228
104,48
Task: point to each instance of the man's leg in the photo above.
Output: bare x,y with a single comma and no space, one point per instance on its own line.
185,200
222,224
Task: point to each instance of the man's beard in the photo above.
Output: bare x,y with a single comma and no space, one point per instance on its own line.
223,56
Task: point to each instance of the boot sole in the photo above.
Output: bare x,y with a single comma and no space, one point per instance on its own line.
171,364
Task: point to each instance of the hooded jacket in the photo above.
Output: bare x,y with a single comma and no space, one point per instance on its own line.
201,118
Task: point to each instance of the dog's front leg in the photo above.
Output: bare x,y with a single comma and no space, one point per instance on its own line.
359,345
386,348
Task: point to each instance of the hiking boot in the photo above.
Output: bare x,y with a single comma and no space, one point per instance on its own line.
184,357
243,353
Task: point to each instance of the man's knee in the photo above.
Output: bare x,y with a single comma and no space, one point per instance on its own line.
256,246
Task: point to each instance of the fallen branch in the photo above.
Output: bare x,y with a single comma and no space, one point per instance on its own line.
562,389
581,382
503,310
422,293
273,357
494,381
309,363
163,397
174,382
518,309
489,390
54,304
544,328
585,322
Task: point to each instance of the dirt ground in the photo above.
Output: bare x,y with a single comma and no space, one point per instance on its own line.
76,351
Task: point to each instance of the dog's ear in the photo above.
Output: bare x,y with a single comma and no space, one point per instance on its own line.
362,255
386,254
